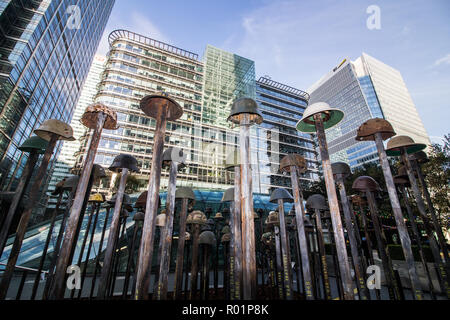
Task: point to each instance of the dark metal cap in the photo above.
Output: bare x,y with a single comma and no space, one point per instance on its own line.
208,238
124,161
185,193
420,157
59,187
397,143
281,193
141,201
139,216
173,154
55,127
99,171
243,106
90,116
71,183
228,195
273,218
126,202
366,132
365,183
293,159
196,217
317,201
152,105
34,143
226,229
341,168
226,237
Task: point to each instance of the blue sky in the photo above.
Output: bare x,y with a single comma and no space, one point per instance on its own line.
297,42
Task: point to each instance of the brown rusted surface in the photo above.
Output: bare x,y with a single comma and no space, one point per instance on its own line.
357,264
113,238
90,115
367,131
236,229
301,233
293,160
166,238
154,104
322,253
334,210
286,256
23,223
58,286
180,250
148,231
194,265
399,220
18,194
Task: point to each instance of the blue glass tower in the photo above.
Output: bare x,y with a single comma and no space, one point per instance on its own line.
46,49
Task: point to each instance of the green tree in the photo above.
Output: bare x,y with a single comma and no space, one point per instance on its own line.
437,177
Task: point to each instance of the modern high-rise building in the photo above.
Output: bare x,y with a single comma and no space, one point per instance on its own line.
137,66
46,49
282,107
66,159
366,88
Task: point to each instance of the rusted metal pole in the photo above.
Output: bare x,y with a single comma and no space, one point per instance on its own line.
88,253
416,234
194,266
334,210
18,195
144,264
279,262
357,263
401,227
248,227
237,233
437,225
100,247
286,257
323,257
299,219
180,250
22,227
394,291
44,251
130,260
117,253
226,268
205,272
83,246
58,288
443,273
113,235
186,276
57,245
166,238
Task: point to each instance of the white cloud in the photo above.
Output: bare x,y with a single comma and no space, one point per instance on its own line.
443,60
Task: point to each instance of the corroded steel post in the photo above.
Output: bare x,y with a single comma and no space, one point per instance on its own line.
113,235
248,227
237,256
18,195
401,227
21,229
358,267
279,262
299,219
194,266
180,250
334,210
166,238
286,259
96,117
322,253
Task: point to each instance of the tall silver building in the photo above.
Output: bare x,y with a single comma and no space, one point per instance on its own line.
366,88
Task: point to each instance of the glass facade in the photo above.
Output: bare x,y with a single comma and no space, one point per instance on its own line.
366,88
46,50
281,106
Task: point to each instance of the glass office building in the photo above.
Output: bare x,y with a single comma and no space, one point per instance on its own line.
46,49
66,159
364,89
137,66
282,107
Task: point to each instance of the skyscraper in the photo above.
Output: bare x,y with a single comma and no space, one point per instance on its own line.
46,48
137,66
66,158
366,88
